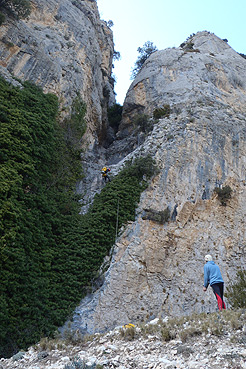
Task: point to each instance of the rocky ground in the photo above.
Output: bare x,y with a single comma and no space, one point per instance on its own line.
205,341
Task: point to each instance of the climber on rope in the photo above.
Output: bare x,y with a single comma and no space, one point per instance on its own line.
105,175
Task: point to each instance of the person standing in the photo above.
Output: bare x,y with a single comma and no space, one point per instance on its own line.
212,276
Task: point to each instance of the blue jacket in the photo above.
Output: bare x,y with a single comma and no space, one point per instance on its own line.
212,274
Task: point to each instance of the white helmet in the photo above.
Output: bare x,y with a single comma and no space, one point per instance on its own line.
208,258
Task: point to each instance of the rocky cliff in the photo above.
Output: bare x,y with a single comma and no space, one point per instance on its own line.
67,49
204,68
157,268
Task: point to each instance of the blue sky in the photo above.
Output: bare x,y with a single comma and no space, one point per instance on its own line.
168,24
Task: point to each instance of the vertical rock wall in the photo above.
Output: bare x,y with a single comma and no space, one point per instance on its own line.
65,48
157,269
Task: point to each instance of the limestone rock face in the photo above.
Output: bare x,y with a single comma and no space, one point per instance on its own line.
157,269
204,68
65,48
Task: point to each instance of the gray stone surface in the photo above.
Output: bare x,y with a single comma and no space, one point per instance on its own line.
204,342
210,70
65,48
157,269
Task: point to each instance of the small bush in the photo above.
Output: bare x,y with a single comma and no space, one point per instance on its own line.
166,334
162,112
9,44
143,122
44,343
128,333
157,216
142,166
217,330
236,323
236,292
224,194
242,55
189,45
189,332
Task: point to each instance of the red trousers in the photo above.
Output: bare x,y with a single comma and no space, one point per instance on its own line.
218,289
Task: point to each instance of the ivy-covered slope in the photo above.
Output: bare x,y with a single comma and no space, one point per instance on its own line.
48,252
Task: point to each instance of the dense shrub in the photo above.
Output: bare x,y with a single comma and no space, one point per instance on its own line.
142,166
38,171
17,8
236,292
114,116
48,252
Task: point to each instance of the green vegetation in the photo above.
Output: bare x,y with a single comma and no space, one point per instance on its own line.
114,116
195,325
75,126
242,55
16,8
186,329
162,112
37,202
143,123
187,41
189,46
224,194
145,51
128,332
236,292
48,252
157,216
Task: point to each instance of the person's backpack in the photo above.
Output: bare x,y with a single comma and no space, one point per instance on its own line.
105,170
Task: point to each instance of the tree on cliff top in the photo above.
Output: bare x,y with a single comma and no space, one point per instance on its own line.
144,52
